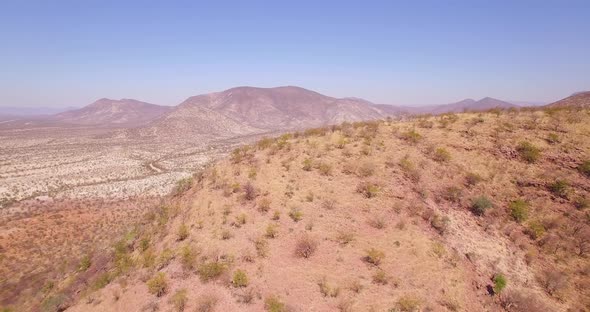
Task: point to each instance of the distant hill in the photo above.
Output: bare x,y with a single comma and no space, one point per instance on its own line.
580,99
484,104
246,110
124,112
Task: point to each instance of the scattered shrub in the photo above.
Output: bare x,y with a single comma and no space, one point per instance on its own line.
452,194
271,231
210,270
472,179
441,224
296,214
584,168
328,290
345,238
380,278
581,203
240,279
182,232
559,188
519,210
264,204
408,304
480,204
188,257
226,234
528,152
325,169
179,300
411,136
206,303
307,164
249,191
377,222
374,256
554,281
366,169
241,219
499,283
441,155
553,138
85,263
274,304
158,284
369,190
261,246
305,246
535,229
276,215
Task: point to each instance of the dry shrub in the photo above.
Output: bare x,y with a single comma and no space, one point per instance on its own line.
179,300
264,204
517,301
377,222
305,246
554,282
441,224
366,169
158,284
369,190
206,303
374,256
249,191
327,289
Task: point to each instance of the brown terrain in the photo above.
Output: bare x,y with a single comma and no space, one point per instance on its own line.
430,213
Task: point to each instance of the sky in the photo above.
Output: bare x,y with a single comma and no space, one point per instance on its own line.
70,53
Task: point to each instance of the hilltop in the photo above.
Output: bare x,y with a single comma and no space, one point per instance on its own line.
459,212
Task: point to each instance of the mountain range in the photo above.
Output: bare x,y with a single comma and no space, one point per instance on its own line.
248,110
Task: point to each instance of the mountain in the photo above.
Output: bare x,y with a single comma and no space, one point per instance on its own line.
16,111
484,104
580,99
124,112
247,110
283,107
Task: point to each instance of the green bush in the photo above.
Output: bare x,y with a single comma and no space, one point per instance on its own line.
411,136
210,270
158,284
584,168
85,263
559,188
296,214
499,283
519,210
528,152
240,279
480,204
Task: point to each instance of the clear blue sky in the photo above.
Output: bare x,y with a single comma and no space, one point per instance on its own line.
69,53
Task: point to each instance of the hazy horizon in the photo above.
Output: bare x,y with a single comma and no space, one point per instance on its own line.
67,54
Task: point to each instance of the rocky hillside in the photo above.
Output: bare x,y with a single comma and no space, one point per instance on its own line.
461,212
124,112
580,99
471,105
